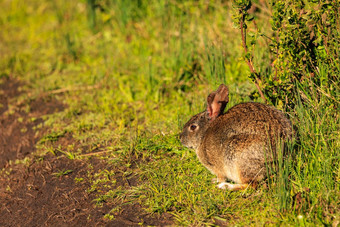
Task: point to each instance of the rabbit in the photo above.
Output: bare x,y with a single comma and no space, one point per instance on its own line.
237,144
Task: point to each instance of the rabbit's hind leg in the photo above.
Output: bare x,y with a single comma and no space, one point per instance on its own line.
244,161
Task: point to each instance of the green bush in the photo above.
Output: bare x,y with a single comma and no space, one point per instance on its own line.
304,39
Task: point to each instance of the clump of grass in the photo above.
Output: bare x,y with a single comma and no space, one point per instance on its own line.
63,173
315,169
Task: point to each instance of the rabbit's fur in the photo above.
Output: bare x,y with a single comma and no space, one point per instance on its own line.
236,145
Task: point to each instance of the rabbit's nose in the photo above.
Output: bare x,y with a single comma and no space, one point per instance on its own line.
180,137
183,139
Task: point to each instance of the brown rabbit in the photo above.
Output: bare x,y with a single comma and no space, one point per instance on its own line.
237,144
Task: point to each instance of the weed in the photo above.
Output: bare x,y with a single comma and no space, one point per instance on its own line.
78,179
62,173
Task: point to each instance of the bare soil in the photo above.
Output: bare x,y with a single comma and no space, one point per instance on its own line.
32,194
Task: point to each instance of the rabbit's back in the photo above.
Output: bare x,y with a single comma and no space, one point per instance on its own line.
252,118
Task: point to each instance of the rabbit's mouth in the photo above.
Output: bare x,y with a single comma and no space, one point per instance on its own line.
188,146
185,142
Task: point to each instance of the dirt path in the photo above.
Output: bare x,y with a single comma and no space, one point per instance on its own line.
33,195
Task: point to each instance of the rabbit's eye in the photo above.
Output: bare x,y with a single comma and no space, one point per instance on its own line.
193,127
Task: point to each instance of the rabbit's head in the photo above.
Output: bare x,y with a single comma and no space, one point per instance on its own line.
195,129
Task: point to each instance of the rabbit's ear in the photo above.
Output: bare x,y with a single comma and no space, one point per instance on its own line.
217,101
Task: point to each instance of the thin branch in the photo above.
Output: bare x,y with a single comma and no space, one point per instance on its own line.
101,152
58,91
249,62
95,153
83,88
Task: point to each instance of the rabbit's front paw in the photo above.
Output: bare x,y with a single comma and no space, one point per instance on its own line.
232,187
217,180
225,185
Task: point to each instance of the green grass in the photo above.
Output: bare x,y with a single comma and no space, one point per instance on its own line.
131,75
62,173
